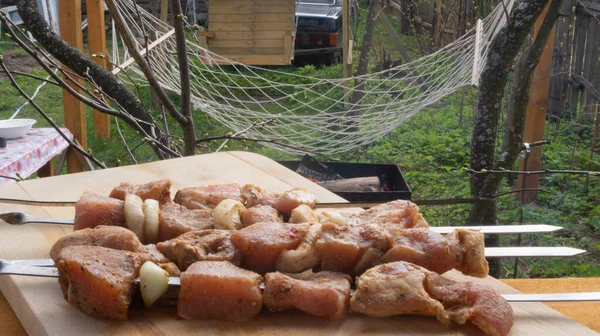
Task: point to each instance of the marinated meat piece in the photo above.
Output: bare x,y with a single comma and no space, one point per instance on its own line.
260,213
291,199
305,256
262,243
219,290
208,197
98,280
324,294
473,245
403,288
342,247
151,253
284,203
157,190
468,301
93,210
397,214
425,248
114,237
331,216
213,245
303,214
175,220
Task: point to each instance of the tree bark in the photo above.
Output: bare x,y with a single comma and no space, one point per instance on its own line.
363,61
81,64
486,185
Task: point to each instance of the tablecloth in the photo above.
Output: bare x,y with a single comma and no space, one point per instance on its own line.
24,156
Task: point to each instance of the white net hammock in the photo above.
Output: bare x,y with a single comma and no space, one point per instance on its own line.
304,112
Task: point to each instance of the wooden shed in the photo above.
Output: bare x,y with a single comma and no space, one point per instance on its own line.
254,32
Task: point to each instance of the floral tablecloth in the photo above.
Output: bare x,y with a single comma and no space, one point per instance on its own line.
24,156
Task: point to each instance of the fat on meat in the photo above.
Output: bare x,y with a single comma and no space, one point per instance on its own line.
208,197
425,248
400,288
212,245
303,214
99,281
261,244
114,237
260,213
396,214
473,245
343,247
156,190
305,256
284,202
325,294
219,290
93,210
175,220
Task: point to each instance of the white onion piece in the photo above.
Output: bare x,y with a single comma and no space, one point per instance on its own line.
226,215
154,282
151,213
329,216
134,215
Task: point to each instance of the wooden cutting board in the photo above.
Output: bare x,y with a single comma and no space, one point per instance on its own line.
41,309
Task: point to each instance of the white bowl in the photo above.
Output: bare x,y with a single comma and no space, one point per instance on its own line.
15,128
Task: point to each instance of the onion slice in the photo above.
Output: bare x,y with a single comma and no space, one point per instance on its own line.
151,214
227,215
154,282
134,215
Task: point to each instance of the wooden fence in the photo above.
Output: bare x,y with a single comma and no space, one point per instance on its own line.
575,81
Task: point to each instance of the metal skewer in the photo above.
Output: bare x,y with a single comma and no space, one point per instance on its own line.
19,218
8,267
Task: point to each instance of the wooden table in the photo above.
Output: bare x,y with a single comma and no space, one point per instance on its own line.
40,308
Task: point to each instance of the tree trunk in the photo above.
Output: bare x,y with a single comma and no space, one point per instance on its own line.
503,50
363,63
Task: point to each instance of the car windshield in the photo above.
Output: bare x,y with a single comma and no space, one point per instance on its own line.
318,2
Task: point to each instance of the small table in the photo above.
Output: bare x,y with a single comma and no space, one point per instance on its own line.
32,153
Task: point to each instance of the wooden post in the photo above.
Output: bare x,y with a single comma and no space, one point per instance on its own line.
164,10
74,110
347,48
97,45
536,111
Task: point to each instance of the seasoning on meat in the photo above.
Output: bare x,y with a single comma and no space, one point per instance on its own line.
157,190
305,256
303,214
208,197
342,247
403,288
324,294
175,220
98,280
151,253
219,290
262,243
260,213
397,214
284,203
114,237
93,210
213,245
473,263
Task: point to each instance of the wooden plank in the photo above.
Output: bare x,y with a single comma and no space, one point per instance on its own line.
270,43
43,311
74,110
273,26
164,10
229,27
230,18
584,312
536,112
560,62
216,43
220,8
97,45
589,104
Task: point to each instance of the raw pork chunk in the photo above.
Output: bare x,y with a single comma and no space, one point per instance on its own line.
213,245
175,220
260,213
98,280
324,294
92,210
219,290
262,243
114,237
208,197
156,190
